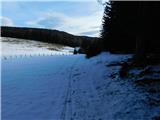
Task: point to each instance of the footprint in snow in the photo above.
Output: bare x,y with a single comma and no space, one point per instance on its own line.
76,69
73,92
76,74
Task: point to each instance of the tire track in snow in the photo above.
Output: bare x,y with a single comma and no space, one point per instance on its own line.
67,110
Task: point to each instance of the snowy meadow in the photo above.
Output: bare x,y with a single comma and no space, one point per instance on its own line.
14,47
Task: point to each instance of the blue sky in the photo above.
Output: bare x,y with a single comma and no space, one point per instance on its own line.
80,17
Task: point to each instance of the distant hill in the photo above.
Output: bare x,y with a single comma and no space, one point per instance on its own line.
47,35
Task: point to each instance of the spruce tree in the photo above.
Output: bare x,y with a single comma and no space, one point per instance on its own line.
131,27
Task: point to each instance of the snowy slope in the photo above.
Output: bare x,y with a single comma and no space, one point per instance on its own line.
71,88
14,47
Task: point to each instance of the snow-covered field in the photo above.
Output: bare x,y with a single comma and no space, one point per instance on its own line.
13,47
72,88
38,83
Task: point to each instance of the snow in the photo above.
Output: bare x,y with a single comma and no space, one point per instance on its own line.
148,72
39,83
72,88
14,47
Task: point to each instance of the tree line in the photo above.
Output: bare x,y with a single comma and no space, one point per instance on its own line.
132,27
49,36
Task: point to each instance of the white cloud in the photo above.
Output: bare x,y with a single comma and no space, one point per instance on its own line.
6,21
74,25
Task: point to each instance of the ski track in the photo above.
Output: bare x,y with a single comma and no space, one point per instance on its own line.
43,81
67,110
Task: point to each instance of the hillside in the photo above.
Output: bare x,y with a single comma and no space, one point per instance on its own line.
46,35
15,47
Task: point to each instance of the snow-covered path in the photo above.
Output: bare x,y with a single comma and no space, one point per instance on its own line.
35,87
70,88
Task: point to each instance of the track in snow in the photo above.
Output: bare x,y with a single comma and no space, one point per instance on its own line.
70,88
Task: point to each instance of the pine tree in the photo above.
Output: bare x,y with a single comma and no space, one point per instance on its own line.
115,30
132,27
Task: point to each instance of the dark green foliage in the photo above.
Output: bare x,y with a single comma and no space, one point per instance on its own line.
117,21
132,27
75,51
94,49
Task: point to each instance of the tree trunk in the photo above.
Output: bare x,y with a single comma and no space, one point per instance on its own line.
140,35
140,50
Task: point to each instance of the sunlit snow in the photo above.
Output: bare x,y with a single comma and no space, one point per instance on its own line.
18,47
